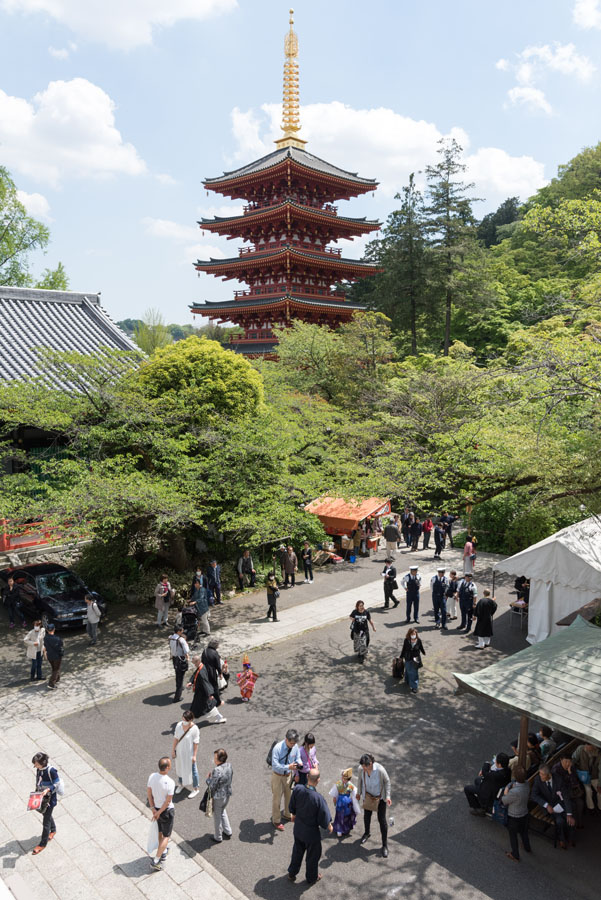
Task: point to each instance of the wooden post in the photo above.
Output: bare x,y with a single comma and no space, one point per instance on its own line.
523,743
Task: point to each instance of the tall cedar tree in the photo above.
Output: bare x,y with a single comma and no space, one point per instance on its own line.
401,253
451,224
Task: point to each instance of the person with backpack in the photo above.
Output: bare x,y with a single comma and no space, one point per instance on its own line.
285,761
47,782
180,654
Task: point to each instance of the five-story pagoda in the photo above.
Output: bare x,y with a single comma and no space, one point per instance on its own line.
288,222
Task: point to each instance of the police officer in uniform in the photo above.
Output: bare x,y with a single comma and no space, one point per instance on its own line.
309,813
468,594
411,583
439,585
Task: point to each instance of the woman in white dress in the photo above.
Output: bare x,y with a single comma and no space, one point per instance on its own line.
185,748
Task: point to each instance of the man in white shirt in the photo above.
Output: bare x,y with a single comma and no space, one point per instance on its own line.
160,790
180,653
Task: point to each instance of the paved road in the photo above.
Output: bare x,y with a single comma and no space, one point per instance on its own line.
431,745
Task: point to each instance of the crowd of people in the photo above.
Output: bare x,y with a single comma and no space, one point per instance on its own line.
560,780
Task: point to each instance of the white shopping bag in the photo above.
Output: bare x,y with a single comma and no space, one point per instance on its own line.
153,838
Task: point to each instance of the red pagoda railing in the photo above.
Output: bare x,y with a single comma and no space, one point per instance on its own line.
279,245
33,534
298,291
267,204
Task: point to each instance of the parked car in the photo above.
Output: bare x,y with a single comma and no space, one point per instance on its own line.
52,593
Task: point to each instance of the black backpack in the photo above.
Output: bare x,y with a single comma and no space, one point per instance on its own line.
269,758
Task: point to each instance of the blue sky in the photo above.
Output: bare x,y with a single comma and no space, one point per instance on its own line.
112,112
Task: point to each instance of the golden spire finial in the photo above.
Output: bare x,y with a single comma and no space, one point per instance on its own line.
290,108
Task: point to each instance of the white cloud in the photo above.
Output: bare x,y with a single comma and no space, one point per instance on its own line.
533,64
587,13
383,144
184,236
122,24
35,204
532,98
68,129
165,179
58,53
224,211
496,172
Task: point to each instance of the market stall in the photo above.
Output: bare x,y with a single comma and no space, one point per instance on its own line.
340,518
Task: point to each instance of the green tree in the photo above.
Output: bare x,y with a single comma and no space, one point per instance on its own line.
212,379
20,235
152,333
493,227
399,291
451,226
575,180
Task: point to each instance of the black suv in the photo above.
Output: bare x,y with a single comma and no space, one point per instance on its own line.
52,593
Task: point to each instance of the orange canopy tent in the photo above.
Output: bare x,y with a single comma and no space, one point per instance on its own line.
342,516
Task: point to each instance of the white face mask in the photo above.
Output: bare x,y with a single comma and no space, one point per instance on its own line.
36,627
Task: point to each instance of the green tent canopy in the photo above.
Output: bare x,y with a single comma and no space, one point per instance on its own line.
556,682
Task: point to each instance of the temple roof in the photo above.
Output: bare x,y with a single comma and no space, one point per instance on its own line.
269,210
253,302
302,157
31,319
282,251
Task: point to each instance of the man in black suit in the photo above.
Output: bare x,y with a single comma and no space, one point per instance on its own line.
548,792
493,776
390,584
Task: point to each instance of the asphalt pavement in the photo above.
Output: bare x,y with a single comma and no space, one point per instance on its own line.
431,744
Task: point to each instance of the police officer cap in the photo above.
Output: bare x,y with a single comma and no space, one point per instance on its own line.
413,568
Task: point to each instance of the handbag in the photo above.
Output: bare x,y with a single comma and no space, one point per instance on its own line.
203,803
499,811
209,808
370,803
395,585
35,800
221,682
398,667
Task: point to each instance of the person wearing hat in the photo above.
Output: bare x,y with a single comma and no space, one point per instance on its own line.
344,794
439,585
468,595
390,583
411,583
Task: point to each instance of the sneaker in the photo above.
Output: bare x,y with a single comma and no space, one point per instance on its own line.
193,794
216,840
164,854
279,827
221,721
156,865
51,687
306,581
178,788
227,837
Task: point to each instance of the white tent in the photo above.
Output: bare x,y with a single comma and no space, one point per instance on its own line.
564,572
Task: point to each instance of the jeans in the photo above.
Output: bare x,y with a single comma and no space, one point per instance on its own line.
221,822
36,666
440,610
381,820
518,825
92,629
308,567
213,594
413,603
48,826
411,674
313,851
194,776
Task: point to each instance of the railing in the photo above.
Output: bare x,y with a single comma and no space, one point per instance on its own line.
299,245
266,204
284,288
32,534
236,338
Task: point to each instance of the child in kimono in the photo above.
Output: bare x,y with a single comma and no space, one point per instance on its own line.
246,679
347,806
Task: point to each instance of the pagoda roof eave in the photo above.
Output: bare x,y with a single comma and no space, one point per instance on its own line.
302,158
263,303
332,260
310,212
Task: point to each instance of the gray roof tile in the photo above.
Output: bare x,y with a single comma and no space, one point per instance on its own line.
58,320
299,156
